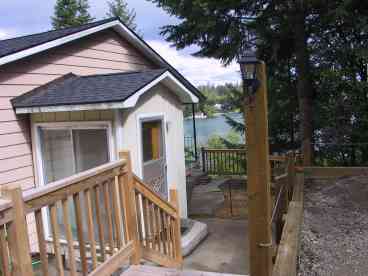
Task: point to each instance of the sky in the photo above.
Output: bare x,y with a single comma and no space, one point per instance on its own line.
22,17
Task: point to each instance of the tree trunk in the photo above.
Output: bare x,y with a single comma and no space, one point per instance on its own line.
304,84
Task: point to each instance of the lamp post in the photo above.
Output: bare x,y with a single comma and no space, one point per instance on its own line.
258,166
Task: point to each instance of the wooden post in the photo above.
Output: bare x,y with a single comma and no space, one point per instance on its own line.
258,173
130,212
177,234
291,174
203,159
18,234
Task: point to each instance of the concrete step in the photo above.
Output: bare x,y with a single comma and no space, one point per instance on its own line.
145,270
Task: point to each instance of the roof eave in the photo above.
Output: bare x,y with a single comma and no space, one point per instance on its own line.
167,78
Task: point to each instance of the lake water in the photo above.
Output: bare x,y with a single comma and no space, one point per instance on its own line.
206,127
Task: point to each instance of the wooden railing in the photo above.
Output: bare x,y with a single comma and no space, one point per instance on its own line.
287,217
94,218
234,161
224,161
159,226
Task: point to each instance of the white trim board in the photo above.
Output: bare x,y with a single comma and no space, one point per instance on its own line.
166,78
116,25
37,152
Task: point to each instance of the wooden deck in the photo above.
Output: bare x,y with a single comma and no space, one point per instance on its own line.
145,270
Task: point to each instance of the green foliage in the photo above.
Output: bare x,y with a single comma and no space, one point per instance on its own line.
215,142
70,13
220,98
83,14
119,8
311,49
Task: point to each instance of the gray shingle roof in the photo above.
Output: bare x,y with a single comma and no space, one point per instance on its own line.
14,45
72,89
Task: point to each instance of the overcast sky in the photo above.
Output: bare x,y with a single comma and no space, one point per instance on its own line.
21,17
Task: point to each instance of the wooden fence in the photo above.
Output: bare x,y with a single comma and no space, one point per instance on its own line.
287,215
234,162
224,161
104,205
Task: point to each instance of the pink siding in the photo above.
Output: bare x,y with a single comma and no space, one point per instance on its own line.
99,54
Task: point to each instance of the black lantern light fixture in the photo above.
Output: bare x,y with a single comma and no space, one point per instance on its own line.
248,67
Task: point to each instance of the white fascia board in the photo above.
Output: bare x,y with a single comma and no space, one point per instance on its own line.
56,42
120,28
71,107
167,76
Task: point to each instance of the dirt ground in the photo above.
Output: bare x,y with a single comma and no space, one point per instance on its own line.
334,239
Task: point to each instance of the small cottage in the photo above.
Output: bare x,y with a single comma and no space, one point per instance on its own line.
71,99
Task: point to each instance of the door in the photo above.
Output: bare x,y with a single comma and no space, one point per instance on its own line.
153,155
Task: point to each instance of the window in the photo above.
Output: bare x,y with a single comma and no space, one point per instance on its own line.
67,150
152,141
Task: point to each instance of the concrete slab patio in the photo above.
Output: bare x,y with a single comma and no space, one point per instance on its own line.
225,250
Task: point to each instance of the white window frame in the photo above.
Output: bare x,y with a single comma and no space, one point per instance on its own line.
66,125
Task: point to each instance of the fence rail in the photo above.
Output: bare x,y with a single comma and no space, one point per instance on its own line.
224,161
93,218
234,162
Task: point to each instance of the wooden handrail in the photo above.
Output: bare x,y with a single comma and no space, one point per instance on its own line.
154,197
106,200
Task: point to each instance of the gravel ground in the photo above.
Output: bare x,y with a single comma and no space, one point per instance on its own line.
335,231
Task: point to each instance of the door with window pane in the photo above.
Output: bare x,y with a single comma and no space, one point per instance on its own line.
67,151
153,155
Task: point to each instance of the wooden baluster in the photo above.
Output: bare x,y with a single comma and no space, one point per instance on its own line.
164,233
69,237
56,238
176,227
79,222
127,181
90,227
5,261
169,236
140,219
153,225
146,221
122,202
117,213
41,242
157,225
108,217
18,234
172,236
159,229
101,231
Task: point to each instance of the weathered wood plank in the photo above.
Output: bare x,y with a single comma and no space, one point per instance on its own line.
333,172
90,227
41,242
115,262
286,259
69,238
56,238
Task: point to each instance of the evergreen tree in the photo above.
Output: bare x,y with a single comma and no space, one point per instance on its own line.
83,14
119,8
292,36
70,13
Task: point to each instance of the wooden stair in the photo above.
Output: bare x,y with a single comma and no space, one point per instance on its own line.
145,270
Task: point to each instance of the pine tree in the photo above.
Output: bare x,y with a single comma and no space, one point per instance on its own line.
83,14
119,8
70,13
